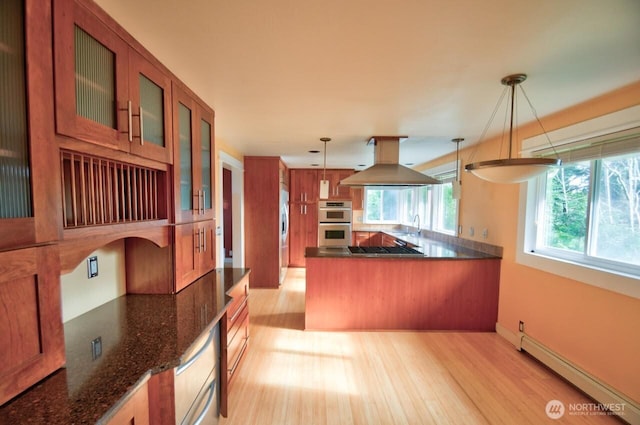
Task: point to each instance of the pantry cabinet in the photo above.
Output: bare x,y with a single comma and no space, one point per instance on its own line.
107,93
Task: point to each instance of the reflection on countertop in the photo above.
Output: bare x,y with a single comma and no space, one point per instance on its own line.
140,335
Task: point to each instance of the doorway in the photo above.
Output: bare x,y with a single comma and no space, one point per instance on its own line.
230,224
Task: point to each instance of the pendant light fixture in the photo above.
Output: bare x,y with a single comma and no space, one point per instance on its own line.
512,170
458,183
324,183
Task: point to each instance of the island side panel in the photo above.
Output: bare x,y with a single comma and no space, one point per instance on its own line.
401,294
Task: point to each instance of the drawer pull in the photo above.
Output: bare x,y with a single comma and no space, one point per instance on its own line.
237,362
195,357
237,313
207,406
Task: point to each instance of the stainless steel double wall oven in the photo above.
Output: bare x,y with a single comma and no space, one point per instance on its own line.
334,223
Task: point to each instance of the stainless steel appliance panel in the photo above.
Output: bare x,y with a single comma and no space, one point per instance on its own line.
334,234
334,212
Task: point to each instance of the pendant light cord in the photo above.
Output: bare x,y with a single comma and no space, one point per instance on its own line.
486,127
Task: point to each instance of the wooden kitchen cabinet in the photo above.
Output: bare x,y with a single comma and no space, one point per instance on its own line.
30,318
265,226
304,185
234,337
334,176
193,157
303,213
357,198
387,240
29,211
303,231
107,92
135,410
194,252
361,238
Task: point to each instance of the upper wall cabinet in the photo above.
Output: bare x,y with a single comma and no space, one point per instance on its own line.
107,93
28,194
193,158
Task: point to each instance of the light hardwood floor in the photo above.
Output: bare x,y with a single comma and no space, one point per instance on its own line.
292,376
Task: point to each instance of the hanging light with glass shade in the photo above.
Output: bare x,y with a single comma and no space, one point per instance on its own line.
512,170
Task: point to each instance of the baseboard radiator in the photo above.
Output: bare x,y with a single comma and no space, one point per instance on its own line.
587,383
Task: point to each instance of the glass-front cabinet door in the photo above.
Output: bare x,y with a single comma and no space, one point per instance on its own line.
193,158
90,63
206,161
150,93
27,169
106,92
15,186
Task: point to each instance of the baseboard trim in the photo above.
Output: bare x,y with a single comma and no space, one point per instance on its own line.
589,384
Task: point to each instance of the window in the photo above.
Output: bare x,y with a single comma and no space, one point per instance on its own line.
381,205
582,220
434,205
591,212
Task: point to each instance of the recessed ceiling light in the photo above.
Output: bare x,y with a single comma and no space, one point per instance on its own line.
362,165
408,163
314,151
315,165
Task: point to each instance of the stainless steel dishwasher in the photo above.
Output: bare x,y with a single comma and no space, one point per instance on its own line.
196,382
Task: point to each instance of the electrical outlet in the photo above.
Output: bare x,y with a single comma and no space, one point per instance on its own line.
485,233
521,326
472,231
96,348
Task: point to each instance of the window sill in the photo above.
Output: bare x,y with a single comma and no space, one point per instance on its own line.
605,279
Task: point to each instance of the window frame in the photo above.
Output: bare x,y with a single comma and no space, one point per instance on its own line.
599,272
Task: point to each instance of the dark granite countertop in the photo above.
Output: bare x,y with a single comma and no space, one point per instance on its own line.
432,250
141,335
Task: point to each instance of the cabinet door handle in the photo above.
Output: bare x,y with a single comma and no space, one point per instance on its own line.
204,200
305,210
301,197
130,124
204,240
196,356
141,127
196,241
301,210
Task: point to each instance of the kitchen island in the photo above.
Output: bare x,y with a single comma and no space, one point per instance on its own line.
446,288
141,336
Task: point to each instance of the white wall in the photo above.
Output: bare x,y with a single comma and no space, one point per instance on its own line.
81,294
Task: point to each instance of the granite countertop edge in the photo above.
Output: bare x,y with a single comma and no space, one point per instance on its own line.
57,399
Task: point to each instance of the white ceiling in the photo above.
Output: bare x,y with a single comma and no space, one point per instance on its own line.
280,74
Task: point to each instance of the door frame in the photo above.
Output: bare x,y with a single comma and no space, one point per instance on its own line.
236,166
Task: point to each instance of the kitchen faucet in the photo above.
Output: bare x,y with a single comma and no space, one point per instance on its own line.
416,217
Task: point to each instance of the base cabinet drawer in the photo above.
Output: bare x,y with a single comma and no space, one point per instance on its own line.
234,338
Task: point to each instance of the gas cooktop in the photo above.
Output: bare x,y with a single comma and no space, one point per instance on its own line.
385,250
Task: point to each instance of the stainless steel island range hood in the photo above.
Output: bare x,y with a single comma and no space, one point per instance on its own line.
386,170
